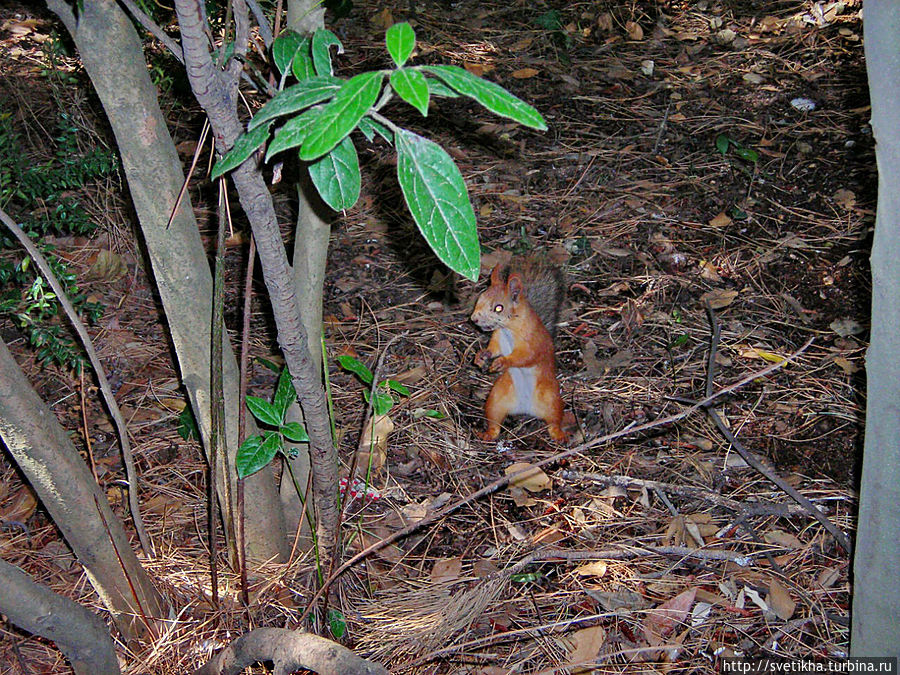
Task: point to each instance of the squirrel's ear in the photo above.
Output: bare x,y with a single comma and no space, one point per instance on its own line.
497,275
515,286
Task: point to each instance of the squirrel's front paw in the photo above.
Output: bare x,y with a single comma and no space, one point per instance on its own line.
483,357
500,364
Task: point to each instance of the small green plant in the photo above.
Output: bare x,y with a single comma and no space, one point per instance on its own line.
552,22
724,144
384,400
41,189
257,451
320,111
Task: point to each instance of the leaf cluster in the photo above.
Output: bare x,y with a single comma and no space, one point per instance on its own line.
384,400
315,118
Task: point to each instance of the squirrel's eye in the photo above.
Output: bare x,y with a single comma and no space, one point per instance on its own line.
498,308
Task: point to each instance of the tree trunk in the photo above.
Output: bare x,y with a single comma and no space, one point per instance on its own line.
45,454
216,95
78,633
876,593
111,53
311,234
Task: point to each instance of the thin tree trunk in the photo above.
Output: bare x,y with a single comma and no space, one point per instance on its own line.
111,52
80,635
217,97
45,454
876,564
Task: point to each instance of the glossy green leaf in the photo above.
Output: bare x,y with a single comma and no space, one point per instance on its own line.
492,96
295,98
294,431
337,623
246,144
256,452
747,154
412,87
436,196
264,411
341,115
284,393
302,65
323,40
370,127
722,143
285,47
400,388
383,402
336,176
400,40
438,88
356,367
292,133
187,425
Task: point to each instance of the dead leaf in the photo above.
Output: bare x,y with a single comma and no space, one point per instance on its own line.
21,508
780,601
708,271
533,481
634,30
605,22
718,299
662,621
720,220
549,535
846,327
525,73
593,569
383,20
484,567
586,645
446,570
522,44
619,601
521,498
845,198
829,577
479,69
107,266
782,538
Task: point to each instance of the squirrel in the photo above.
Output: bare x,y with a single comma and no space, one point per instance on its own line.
521,306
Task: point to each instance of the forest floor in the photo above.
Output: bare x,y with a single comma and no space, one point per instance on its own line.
631,192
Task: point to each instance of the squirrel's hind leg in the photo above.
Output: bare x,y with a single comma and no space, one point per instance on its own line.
500,402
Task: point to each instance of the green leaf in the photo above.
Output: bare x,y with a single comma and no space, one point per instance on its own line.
302,65
356,367
322,40
383,402
370,127
336,176
412,87
492,96
187,425
246,144
264,411
436,196
435,414
400,40
296,97
256,452
401,389
551,20
294,431
747,154
722,143
337,623
292,133
341,115
438,88
284,393
285,47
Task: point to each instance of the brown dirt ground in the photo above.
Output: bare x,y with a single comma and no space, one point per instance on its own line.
628,190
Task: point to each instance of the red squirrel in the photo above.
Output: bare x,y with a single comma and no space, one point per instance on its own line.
521,307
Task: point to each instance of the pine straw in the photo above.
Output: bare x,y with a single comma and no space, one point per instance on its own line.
627,189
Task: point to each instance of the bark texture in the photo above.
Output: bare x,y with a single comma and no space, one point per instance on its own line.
111,53
45,454
876,567
216,92
78,633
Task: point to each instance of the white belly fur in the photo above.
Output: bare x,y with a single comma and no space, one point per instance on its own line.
523,379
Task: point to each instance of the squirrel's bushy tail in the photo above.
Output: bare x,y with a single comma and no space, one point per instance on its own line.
545,287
